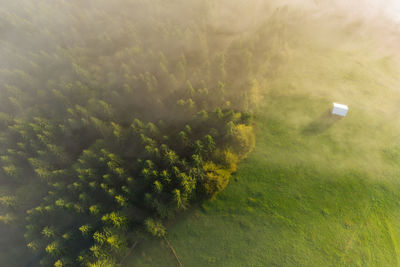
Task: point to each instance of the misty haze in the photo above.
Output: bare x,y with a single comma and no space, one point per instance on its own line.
199,133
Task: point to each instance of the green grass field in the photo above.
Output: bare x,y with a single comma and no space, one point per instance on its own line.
317,190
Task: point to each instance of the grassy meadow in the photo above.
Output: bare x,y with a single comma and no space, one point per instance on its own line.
318,190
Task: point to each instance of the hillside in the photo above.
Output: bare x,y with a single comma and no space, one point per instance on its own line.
317,190
131,130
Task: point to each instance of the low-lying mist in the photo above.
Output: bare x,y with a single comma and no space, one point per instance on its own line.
118,114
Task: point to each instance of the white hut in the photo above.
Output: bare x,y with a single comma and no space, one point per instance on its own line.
340,109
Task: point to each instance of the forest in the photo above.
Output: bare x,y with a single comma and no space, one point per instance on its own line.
115,116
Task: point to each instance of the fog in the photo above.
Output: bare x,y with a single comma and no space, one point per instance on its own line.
75,75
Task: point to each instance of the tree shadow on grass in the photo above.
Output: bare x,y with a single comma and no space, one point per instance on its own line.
321,124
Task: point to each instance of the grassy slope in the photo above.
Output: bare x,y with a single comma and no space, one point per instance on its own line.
316,191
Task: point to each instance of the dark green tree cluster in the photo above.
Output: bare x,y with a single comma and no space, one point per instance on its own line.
116,115
130,178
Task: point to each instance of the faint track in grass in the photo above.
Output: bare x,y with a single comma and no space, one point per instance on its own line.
129,253
356,233
393,239
173,252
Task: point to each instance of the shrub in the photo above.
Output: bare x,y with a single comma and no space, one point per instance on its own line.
215,179
154,227
227,159
244,140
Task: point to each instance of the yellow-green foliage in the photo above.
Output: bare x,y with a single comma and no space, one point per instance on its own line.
216,178
244,140
7,218
102,263
58,264
154,227
227,158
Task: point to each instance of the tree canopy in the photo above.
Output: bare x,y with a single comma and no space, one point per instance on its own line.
115,116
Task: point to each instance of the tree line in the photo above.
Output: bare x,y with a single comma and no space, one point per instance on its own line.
114,117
